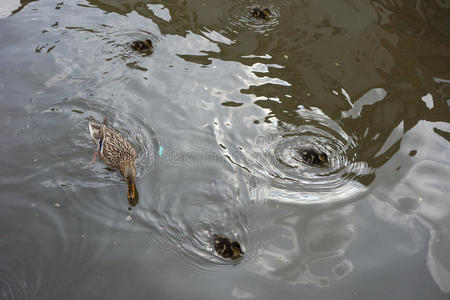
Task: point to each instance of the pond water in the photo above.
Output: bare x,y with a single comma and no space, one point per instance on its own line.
217,112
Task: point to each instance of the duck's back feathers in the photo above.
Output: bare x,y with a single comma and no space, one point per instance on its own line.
115,150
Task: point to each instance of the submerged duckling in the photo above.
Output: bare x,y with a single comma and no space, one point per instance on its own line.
314,157
142,45
227,248
260,14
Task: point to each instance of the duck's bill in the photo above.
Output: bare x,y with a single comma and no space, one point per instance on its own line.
131,191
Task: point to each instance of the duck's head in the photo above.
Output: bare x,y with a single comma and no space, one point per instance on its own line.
267,13
130,177
323,157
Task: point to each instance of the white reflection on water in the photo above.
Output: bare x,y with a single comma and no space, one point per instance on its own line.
160,11
7,6
371,97
310,234
422,193
241,294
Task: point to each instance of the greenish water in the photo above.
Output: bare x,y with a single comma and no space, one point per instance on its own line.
217,112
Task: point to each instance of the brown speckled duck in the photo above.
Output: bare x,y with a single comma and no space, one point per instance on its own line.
143,45
116,152
226,247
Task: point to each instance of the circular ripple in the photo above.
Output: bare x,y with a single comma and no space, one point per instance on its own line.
13,283
188,209
275,157
118,43
240,18
79,148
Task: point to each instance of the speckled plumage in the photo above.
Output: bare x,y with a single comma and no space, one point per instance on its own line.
260,14
116,151
226,247
143,45
314,157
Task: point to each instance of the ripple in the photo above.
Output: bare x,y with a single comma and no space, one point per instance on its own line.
274,157
240,18
104,52
118,43
31,255
79,113
189,209
13,284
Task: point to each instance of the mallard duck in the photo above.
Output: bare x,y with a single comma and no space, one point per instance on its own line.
226,247
116,152
260,14
314,157
142,45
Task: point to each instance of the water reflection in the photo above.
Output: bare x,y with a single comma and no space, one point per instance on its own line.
10,7
419,194
303,236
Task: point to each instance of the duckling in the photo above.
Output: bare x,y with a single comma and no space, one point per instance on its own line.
227,248
314,157
142,45
260,14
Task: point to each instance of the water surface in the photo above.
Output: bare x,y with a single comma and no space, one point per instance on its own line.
217,111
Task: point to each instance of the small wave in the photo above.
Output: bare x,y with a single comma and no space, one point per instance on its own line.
78,149
275,157
240,19
188,209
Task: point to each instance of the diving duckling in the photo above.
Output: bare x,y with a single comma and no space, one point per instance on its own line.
227,248
116,152
314,157
260,14
142,45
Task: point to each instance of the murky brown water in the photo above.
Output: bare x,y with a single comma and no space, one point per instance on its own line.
217,113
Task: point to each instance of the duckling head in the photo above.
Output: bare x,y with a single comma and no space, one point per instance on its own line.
236,250
148,44
323,157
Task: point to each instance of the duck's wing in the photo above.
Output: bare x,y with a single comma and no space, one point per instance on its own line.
94,131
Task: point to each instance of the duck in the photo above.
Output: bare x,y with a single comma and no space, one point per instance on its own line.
260,14
116,152
314,157
227,248
142,45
